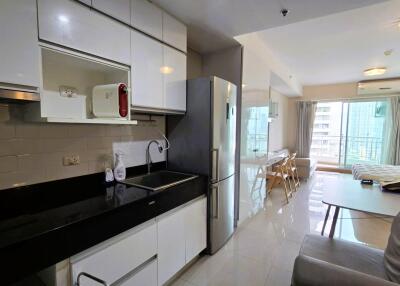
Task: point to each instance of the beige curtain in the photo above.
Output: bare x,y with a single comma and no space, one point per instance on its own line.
393,152
306,115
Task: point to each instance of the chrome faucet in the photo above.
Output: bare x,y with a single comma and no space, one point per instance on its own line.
148,157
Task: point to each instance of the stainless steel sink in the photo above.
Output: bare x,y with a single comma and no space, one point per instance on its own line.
159,180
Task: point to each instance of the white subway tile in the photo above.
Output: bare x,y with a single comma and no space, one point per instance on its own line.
27,130
8,164
7,131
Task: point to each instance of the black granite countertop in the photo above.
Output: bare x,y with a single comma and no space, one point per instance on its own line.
43,224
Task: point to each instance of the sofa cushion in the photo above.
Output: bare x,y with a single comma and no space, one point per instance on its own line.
346,254
392,252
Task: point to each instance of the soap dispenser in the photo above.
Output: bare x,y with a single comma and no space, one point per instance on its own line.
119,169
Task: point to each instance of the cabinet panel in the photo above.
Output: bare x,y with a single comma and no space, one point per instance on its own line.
119,9
147,17
87,2
195,228
174,79
19,60
147,80
115,258
70,24
171,245
145,277
174,32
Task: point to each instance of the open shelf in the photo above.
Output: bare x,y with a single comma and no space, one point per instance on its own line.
66,69
91,121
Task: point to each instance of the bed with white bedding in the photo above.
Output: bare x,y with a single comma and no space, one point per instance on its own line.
379,173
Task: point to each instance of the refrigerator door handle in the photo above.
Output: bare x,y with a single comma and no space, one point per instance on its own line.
216,167
216,202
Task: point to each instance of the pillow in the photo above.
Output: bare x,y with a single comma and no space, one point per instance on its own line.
392,253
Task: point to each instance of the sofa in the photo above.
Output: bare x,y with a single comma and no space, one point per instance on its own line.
325,261
306,167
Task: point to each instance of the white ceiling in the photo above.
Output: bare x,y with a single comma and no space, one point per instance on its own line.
212,24
338,47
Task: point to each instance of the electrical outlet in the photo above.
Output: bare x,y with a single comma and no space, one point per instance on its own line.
71,160
68,91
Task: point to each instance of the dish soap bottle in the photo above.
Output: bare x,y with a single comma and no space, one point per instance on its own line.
119,169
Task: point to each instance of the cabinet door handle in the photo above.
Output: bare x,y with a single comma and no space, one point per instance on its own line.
94,278
216,167
216,203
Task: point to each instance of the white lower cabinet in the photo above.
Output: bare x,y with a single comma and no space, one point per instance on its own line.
147,276
118,256
149,254
182,234
195,228
171,244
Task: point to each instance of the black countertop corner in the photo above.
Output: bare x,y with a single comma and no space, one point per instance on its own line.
43,224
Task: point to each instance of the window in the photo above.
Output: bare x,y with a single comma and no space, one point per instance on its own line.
350,132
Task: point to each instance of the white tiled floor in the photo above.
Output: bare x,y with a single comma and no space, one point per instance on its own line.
263,248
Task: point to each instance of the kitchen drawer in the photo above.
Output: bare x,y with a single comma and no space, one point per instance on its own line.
146,276
70,24
116,257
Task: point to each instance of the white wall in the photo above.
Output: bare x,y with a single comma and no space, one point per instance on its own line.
278,128
194,64
317,92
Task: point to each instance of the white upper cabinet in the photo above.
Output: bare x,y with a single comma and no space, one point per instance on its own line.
147,17
73,25
147,79
19,60
174,79
174,32
119,9
87,2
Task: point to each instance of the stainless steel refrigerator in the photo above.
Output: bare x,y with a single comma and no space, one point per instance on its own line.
203,141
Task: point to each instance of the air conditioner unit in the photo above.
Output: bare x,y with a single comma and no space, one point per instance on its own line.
379,87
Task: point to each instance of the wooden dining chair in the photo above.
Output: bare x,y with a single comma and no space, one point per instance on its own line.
280,174
292,170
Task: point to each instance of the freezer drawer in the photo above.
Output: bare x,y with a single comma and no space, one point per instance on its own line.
221,212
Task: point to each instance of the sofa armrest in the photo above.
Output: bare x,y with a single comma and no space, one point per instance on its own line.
309,271
303,162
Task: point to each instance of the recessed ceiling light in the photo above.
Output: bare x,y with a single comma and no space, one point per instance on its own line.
375,71
388,52
63,19
166,70
243,85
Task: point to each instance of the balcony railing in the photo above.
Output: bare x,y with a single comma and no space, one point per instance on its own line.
346,150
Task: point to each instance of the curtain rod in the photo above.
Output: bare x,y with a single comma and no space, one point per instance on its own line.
350,98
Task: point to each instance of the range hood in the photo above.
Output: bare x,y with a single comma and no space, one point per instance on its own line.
16,96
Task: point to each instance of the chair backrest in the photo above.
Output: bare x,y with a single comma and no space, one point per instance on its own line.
282,167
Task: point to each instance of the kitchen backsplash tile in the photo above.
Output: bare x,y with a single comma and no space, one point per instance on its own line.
33,152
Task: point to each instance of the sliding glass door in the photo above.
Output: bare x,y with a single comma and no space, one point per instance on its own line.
366,132
349,132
